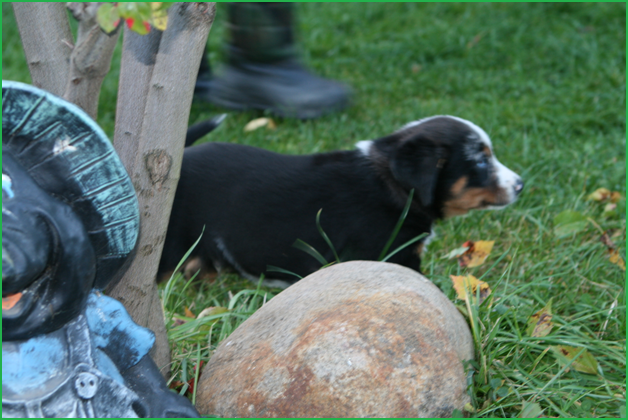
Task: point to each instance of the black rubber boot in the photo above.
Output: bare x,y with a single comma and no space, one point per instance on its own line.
263,69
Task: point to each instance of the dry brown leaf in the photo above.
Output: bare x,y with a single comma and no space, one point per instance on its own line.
604,194
476,253
259,123
606,240
464,283
615,258
189,313
613,253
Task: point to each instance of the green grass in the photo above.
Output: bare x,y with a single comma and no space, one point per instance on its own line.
548,83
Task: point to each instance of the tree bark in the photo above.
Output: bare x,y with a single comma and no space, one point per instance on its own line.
90,60
73,71
157,81
47,41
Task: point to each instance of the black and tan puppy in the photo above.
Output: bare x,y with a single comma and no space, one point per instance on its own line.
254,204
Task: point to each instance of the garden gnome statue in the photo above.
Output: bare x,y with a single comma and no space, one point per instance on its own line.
70,221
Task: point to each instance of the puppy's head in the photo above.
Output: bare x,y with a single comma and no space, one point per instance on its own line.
451,165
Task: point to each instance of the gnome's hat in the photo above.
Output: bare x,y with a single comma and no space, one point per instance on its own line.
68,155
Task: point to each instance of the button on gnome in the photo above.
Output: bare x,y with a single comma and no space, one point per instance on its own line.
70,222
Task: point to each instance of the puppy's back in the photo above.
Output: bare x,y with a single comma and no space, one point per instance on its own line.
254,202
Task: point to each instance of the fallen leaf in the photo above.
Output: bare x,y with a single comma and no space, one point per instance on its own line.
600,194
530,410
604,194
613,253
192,380
456,253
464,283
178,321
189,313
469,407
476,253
569,222
609,210
212,310
178,385
175,385
615,258
540,324
585,363
606,240
259,123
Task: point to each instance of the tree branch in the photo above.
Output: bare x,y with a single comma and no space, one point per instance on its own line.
47,41
90,60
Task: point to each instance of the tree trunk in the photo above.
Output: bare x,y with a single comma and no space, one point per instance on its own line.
154,97
73,71
48,43
90,60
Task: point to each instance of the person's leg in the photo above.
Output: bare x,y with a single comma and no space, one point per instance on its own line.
263,70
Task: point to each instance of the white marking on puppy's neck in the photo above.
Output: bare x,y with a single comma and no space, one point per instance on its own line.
364,146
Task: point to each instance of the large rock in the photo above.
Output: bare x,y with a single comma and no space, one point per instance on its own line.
357,339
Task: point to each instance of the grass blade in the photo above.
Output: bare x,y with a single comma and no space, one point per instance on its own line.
410,242
397,228
197,371
303,246
170,284
281,270
324,235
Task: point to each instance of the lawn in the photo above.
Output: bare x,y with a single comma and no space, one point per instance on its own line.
548,83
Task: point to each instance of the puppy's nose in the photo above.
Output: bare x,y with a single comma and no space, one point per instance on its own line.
518,186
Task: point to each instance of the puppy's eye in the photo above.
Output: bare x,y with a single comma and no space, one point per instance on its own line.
482,162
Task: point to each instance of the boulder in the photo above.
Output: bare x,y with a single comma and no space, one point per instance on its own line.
357,339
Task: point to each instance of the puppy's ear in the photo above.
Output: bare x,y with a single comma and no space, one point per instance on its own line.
417,165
